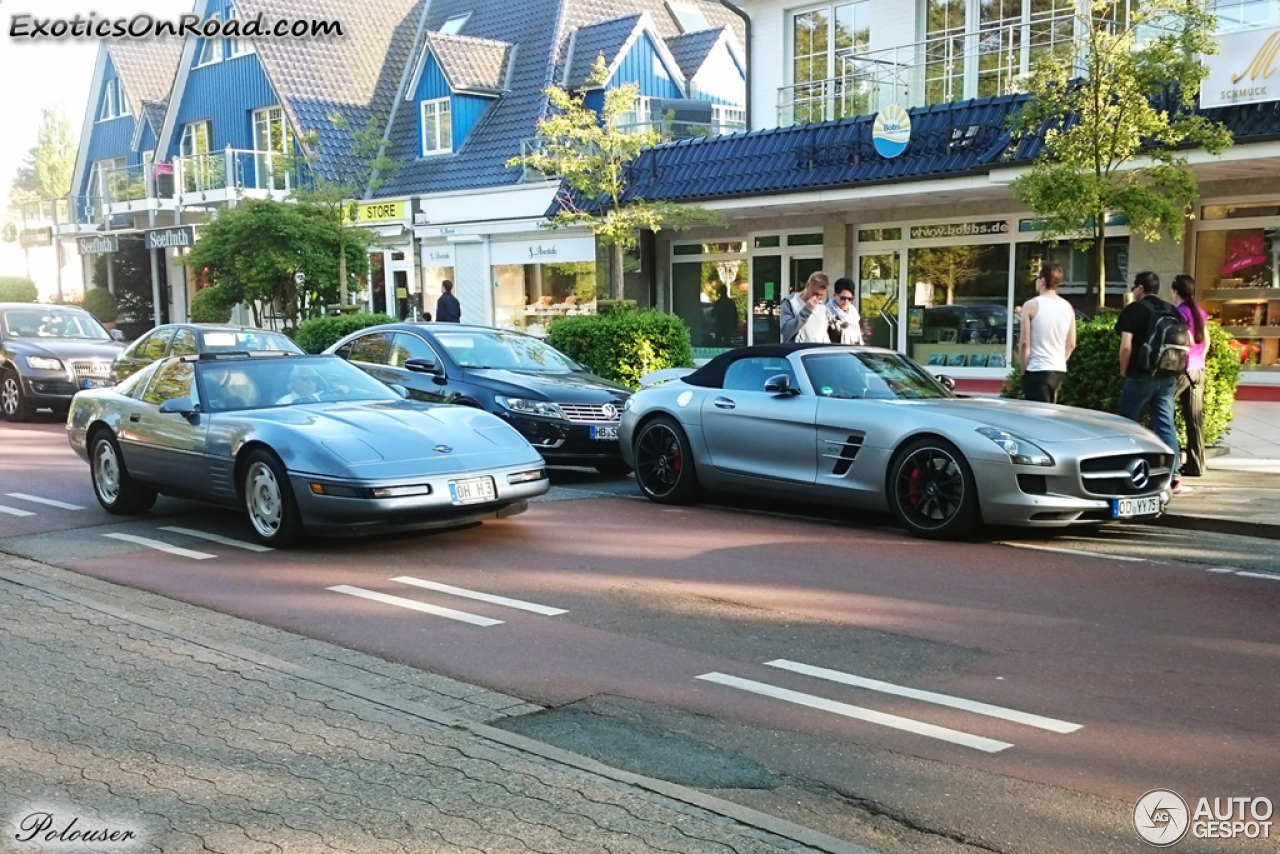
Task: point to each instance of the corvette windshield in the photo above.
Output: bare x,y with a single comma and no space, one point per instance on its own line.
279,381
512,352
871,376
35,323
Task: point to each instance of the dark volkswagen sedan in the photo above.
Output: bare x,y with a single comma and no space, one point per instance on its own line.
191,339
47,354
569,414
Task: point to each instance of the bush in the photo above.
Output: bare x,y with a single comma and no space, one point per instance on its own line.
18,289
212,305
624,345
101,304
1094,381
318,333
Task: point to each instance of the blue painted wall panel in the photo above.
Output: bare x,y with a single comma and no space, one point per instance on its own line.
642,66
226,93
467,110
432,83
464,110
110,138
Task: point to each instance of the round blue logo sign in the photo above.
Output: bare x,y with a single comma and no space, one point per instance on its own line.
891,131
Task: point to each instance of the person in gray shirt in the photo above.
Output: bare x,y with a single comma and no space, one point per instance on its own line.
803,315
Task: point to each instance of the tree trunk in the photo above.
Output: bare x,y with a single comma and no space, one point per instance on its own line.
342,274
1100,246
615,272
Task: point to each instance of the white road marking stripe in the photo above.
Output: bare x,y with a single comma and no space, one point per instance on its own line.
14,511
977,742
1077,552
38,500
413,605
483,597
1222,569
215,538
1038,721
160,546
1265,575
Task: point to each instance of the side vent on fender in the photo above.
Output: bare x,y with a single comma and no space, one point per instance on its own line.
843,453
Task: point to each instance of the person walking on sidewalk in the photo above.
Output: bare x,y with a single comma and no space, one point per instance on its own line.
448,310
1048,338
1190,390
804,314
1143,386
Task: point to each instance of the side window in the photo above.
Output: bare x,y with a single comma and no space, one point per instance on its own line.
171,380
751,374
837,375
184,343
408,346
373,349
344,352
154,345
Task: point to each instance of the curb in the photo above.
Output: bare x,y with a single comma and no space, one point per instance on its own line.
1220,525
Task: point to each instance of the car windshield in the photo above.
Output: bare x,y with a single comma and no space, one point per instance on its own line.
870,376
278,381
507,350
40,323
256,340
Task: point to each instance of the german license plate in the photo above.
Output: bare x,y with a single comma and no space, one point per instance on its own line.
95,383
608,431
1123,508
473,490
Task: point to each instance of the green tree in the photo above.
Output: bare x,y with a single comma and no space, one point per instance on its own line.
949,266
131,273
281,254
46,171
1113,123
335,190
593,157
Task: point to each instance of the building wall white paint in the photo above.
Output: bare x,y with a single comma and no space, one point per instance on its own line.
720,78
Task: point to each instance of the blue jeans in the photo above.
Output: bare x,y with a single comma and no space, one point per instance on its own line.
1157,392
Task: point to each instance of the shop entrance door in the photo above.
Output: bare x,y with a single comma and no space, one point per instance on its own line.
402,302
773,279
879,275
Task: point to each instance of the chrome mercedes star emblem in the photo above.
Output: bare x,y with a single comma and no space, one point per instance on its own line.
610,411
1140,474
444,449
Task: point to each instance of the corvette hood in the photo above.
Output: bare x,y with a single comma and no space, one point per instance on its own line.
1039,422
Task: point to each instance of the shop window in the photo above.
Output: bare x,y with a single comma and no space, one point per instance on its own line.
876,235
769,242
1247,211
1238,284
711,297
529,297
953,291
804,239
1077,272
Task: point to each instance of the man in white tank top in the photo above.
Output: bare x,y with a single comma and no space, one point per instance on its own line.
1048,338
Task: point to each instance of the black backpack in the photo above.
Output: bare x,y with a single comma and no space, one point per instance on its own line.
1165,350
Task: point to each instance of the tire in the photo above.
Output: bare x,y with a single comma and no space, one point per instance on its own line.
664,463
268,500
932,491
117,492
613,468
13,403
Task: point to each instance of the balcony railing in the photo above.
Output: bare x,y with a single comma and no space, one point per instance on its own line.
671,130
995,60
236,169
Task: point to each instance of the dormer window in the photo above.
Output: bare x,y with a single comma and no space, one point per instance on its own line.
237,46
210,50
437,127
689,18
108,108
454,25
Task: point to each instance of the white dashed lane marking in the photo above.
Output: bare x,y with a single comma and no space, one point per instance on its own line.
216,538
160,546
1267,576
961,703
413,605
482,597
1076,552
35,499
964,739
14,511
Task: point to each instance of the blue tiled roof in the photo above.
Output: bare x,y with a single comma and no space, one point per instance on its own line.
606,39
692,49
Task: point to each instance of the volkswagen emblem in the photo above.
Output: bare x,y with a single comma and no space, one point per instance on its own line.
1140,474
443,449
610,412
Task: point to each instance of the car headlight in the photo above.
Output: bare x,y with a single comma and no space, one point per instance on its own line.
42,363
1020,451
530,407
626,405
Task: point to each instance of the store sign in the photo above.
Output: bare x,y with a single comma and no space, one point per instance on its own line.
31,238
1247,71
98,245
437,256
380,212
891,131
960,229
563,251
169,238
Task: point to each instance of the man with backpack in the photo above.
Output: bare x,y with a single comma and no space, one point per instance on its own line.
1154,342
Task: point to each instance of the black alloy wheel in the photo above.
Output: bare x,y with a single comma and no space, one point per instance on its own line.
932,491
664,462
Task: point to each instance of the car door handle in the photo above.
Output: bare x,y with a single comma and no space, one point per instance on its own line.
135,418
724,403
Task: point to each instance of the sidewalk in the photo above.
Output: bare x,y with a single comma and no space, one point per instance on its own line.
159,726
1240,493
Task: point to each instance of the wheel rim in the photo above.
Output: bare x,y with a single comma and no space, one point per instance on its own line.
9,395
263,499
106,472
659,460
929,489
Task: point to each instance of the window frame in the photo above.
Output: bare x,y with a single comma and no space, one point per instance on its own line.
107,109
207,45
237,46
188,129
442,107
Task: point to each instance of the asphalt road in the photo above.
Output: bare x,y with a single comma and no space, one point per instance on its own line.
1009,693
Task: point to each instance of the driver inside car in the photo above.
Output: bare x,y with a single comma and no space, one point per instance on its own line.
304,385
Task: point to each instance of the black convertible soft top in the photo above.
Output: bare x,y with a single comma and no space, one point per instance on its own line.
711,375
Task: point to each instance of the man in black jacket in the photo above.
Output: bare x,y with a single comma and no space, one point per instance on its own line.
1143,389
447,308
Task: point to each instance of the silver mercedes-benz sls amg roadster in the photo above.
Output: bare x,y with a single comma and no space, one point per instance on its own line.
870,429
305,444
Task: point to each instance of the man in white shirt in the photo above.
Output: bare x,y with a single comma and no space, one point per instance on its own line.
803,315
1048,338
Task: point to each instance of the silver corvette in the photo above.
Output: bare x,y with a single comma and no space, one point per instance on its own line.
871,429
305,444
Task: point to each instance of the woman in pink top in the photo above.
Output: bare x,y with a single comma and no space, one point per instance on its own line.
1190,394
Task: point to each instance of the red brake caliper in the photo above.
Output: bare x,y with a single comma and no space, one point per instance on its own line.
913,487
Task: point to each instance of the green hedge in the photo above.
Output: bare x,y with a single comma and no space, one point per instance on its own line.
212,305
1094,381
624,345
318,333
101,304
18,289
